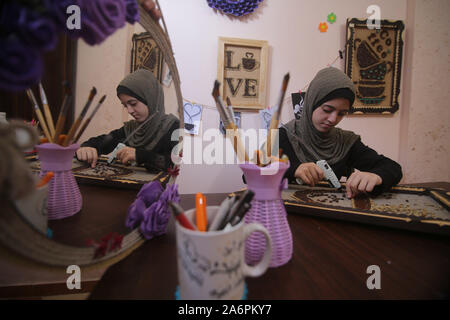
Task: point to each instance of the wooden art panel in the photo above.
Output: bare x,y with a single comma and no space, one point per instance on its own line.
374,62
242,69
146,54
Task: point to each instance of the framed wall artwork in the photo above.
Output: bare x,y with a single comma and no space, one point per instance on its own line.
242,71
146,54
374,63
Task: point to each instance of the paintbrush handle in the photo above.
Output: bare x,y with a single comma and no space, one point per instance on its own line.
72,132
271,135
236,142
48,117
59,127
42,124
83,127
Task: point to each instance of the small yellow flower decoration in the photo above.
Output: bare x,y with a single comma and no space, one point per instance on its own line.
332,18
323,27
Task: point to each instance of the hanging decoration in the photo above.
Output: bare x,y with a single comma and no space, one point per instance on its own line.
323,27
235,7
332,18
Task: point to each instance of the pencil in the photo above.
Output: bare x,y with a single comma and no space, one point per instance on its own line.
39,115
276,116
63,112
47,113
45,179
80,118
88,120
236,141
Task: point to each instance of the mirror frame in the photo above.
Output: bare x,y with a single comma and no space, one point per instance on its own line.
19,236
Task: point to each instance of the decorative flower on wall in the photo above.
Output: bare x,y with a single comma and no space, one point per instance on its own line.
323,27
332,18
235,7
28,28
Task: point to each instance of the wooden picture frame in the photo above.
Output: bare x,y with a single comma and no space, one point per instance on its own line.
374,63
146,54
242,71
411,208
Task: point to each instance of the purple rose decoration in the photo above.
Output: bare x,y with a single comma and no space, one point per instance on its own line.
150,192
135,213
155,220
38,31
132,9
101,18
20,66
150,209
57,9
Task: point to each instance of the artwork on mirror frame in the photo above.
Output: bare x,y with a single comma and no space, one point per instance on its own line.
298,100
146,54
242,69
374,63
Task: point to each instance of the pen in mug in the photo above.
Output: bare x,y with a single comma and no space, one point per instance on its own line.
179,215
221,214
239,209
200,212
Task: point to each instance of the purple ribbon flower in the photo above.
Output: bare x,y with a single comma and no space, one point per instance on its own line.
150,209
132,14
100,19
19,65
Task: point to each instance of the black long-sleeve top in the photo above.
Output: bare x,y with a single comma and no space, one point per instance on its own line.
359,157
157,159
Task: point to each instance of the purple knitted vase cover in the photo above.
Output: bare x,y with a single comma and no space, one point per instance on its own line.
64,197
267,209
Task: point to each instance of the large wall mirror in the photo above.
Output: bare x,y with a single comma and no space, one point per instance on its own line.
18,234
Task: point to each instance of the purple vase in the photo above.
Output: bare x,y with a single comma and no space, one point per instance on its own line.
268,209
64,197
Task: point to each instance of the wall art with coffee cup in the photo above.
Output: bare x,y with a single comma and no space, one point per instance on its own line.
242,70
374,63
145,54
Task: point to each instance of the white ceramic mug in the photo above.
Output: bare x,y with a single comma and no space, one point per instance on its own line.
211,264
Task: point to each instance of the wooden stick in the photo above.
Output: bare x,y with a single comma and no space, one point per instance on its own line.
63,112
88,120
276,117
236,141
77,123
39,115
47,113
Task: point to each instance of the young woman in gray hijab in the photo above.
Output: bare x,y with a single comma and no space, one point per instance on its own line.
143,97
315,137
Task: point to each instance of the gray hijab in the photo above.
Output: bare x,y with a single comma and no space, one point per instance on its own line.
144,85
309,144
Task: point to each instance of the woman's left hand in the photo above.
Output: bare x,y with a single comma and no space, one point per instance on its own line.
126,155
361,181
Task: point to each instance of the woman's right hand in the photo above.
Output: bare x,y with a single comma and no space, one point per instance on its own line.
88,154
310,173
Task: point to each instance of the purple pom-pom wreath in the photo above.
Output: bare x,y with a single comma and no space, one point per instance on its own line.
235,7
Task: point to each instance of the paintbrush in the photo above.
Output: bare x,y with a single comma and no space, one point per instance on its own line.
230,109
63,112
236,141
88,120
47,113
39,115
80,118
276,117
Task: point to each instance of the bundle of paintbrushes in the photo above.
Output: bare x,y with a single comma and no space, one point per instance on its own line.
270,152
227,117
54,134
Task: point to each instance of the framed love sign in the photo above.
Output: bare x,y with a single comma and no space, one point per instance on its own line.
242,71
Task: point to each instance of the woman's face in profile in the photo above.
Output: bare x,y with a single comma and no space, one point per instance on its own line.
135,108
329,114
